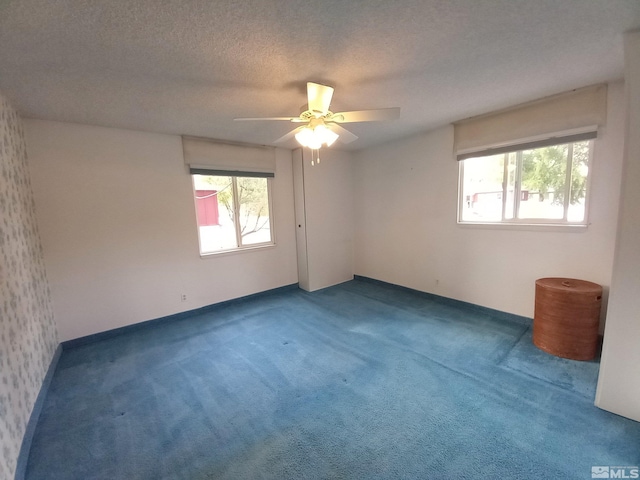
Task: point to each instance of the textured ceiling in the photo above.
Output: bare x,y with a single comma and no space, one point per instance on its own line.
191,66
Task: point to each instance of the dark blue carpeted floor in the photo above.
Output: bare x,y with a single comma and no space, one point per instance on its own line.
361,380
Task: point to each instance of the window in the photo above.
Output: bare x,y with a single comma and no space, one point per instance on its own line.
544,185
233,212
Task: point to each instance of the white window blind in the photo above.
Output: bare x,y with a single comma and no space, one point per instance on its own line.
212,157
575,115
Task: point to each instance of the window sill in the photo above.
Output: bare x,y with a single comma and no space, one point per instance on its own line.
536,227
235,251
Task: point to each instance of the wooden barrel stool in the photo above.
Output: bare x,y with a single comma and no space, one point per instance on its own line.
566,317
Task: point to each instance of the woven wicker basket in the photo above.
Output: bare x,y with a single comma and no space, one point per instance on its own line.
566,317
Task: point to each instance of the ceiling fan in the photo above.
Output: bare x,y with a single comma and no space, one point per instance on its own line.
322,125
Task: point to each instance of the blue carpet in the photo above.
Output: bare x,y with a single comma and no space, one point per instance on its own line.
580,377
361,380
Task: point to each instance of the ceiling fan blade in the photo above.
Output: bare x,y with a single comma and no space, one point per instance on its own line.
345,135
319,97
289,119
289,135
367,115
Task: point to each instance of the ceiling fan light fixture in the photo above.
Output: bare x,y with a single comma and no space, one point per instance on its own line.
327,136
315,137
322,125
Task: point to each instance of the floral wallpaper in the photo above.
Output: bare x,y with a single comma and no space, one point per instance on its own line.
28,336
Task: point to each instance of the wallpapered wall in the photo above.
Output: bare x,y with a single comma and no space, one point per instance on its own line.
28,336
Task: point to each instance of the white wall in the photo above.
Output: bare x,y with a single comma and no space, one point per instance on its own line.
117,221
406,232
324,214
619,381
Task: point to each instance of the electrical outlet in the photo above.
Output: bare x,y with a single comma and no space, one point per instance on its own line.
183,297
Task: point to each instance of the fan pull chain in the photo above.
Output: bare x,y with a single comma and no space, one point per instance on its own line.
317,160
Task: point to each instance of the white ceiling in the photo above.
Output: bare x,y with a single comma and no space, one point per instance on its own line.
191,66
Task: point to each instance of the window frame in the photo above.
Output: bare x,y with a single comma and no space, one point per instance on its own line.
518,150
236,211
